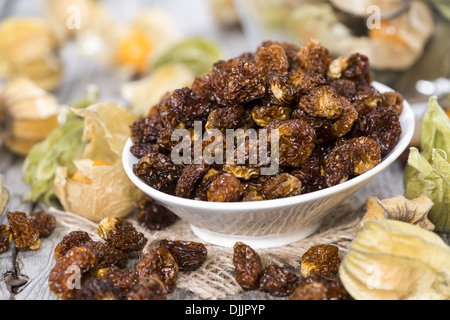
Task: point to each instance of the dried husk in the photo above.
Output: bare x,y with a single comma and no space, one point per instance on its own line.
413,211
395,260
29,47
107,191
30,112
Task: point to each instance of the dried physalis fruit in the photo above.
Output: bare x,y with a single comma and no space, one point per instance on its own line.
5,238
189,255
322,258
148,289
121,234
98,289
159,264
226,188
71,240
247,264
44,222
25,234
154,216
123,279
395,260
413,211
321,287
67,274
278,281
282,186
106,255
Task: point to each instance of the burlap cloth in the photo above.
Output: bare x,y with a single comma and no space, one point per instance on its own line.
216,279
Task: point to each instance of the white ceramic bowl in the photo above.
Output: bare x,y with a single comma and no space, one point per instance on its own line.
269,223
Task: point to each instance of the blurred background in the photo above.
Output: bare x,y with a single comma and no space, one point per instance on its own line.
132,52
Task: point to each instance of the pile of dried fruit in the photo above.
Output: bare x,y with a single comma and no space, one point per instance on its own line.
332,123
26,230
319,269
97,270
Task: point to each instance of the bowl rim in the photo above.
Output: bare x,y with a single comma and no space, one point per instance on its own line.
406,137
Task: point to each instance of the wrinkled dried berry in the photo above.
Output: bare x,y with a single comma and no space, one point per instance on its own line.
338,166
314,58
67,275
280,89
25,233
278,281
123,279
5,238
148,289
321,287
121,234
189,177
272,58
44,222
71,240
201,192
247,264
226,118
146,130
189,106
189,255
309,82
282,186
154,216
358,70
159,264
265,114
158,171
320,258
381,125
236,82
97,289
226,188
105,254
322,102
392,99
296,141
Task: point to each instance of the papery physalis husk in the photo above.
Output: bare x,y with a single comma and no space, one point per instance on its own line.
106,190
148,91
30,112
395,260
29,47
428,171
4,196
413,211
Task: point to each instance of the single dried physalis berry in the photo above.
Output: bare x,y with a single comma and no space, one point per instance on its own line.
321,287
121,234
189,255
123,279
44,222
67,274
154,216
98,289
226,188
278,281
321,258
25,233
5,238
148,289
247,264
159,263
105,254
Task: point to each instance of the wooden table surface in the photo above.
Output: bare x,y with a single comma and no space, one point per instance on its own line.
24,275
